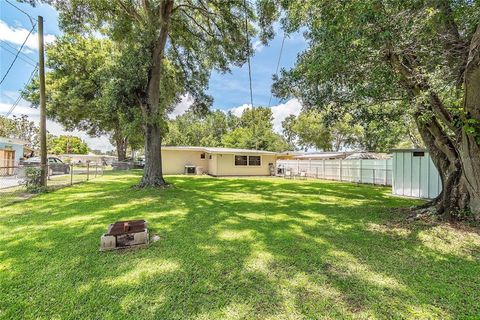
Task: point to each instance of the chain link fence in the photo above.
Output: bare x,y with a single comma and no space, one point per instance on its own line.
14,180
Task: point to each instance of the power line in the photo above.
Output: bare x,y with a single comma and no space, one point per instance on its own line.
23,54
21,58
29,16
16,56
278,65
20,96
250,74
248,53
14,105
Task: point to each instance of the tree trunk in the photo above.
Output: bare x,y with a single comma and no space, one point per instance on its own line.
469,147
152,115
457,155
454,197
121,144
152,173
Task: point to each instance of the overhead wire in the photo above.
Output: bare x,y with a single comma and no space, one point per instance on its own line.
31,62
278,65
247,42
23,11
16,56
248,53
14,105
21,53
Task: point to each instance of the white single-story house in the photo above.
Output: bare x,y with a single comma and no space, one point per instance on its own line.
217,161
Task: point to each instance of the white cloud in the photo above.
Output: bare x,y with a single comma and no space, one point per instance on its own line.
182,106
100,143
258,46
19,109
16,36
279,112
239,110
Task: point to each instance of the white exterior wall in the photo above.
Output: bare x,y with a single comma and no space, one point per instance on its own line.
415,176
174,161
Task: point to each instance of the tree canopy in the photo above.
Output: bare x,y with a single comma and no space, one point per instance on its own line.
168,48
83,90
67,145
374,128
20,127
253,129
425,54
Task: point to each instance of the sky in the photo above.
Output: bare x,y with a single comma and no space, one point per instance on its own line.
230,91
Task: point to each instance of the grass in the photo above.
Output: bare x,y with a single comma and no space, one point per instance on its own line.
234,249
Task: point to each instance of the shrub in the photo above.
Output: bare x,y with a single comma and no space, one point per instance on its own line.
33,178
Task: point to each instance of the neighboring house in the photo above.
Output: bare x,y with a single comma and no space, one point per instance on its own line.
84,158
368,155
323,156
217,161
288,155
11,151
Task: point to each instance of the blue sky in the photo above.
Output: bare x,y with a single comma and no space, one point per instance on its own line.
230,91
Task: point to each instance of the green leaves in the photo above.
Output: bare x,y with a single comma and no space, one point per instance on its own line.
253,130
67,145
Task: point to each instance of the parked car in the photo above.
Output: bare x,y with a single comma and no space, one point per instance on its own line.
55,165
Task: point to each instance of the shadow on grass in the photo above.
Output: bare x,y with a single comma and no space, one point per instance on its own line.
233,248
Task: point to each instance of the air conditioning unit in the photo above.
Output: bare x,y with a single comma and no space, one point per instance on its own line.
189,169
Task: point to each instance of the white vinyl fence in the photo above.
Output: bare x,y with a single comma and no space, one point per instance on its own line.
359,171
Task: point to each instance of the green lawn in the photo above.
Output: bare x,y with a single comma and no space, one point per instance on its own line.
234,249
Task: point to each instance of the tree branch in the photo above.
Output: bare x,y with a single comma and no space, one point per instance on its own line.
130,11
197,24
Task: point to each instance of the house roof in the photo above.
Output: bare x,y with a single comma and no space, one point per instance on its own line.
90,155
292,153
216,150
409,150
367,155
323,155
13,141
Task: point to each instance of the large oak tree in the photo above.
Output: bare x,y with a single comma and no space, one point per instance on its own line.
423,52
170,48
83,90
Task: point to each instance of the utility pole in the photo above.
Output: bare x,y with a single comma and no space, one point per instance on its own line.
43,121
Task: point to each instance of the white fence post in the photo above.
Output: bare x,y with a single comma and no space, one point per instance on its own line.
340,167
323,169
361,171
386,171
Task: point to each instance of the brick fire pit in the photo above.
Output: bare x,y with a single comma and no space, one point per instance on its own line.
124,235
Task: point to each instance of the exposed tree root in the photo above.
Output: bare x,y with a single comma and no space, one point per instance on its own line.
159,183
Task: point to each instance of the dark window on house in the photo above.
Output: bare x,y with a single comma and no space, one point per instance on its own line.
202,155
241,160
209,156
254,161
418,153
